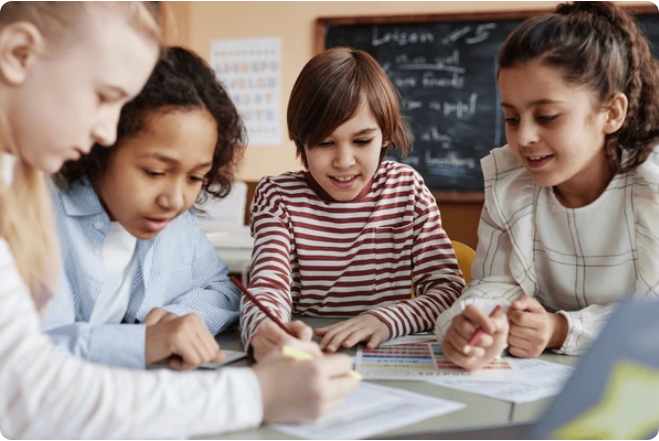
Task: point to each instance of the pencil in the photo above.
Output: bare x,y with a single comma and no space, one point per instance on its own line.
297,354
263,309
480,330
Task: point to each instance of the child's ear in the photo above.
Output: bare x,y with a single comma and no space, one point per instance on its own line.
616,112
20,44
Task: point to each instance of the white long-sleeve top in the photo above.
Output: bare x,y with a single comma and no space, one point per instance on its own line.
48,394
576,262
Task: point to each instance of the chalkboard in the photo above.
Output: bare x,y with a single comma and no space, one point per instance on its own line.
444,68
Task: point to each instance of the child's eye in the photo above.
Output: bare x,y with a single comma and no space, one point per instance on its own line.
102,99
152,173
363,141
512,121
325,144
546,118
197,179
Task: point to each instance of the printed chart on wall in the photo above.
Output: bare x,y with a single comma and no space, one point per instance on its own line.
426,361
250,70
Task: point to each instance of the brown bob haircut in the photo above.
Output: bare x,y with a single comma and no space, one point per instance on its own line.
330,90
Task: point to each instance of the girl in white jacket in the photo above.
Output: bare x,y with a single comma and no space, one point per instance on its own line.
569,225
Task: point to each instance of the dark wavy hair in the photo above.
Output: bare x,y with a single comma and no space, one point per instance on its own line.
181,80
598,44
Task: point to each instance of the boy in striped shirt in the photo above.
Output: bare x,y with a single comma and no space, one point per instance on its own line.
347,237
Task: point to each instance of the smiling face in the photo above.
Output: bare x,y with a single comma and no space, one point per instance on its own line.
60,100
554,129
157,174
344,162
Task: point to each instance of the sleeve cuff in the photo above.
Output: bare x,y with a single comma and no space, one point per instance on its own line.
121,345
179,310
575,328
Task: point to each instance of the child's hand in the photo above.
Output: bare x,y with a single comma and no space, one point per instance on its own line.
350,332
271,338
181,342
488,346
301,391
533,329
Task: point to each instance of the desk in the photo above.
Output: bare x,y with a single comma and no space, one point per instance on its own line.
479,410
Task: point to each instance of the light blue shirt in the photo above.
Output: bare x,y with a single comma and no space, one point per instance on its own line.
178,270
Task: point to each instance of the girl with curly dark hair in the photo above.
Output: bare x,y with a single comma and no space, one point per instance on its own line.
569,225
143,284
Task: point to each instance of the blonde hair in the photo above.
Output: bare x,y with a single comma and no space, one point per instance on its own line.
25,213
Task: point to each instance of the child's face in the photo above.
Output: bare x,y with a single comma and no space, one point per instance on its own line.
157,174
552,127
70,96
344,162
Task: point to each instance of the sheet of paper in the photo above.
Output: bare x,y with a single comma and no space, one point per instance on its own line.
408,339
543,379
421,361
231,357
371,410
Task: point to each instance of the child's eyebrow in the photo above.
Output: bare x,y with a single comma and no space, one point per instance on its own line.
534,103
365,131
161,158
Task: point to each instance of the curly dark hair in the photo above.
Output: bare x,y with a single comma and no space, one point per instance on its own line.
181,80
598,44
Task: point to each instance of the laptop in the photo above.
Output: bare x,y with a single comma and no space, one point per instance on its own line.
613,393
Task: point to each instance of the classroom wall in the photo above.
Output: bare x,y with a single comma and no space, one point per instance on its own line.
201,22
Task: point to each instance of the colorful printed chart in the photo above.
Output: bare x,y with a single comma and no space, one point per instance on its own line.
426,360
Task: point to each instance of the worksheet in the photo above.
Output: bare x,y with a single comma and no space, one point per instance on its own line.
231,357
373,409
543,379
421,361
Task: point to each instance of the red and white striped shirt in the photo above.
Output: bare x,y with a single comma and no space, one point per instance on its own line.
319,257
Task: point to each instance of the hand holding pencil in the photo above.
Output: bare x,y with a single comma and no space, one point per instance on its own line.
273,334
474,339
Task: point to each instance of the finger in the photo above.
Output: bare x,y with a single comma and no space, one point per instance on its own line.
337,340
463,326
358,335
519,342
154,316
340,388
519,351
168,317
303,331
208,345
219,357
466,361
332,329
376,339
334,365
457,342
526,319
527,303
478,318
521,332
310,347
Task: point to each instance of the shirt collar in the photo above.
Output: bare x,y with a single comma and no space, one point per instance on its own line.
81,199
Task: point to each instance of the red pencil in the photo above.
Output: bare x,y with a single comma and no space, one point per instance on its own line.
258,304
480,330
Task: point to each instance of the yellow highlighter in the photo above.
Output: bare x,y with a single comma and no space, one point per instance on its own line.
297,354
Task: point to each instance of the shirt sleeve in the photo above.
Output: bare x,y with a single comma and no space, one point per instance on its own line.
270,273
213,297
49,394
436,276
121,345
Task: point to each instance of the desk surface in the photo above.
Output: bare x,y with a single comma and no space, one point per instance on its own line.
479,410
